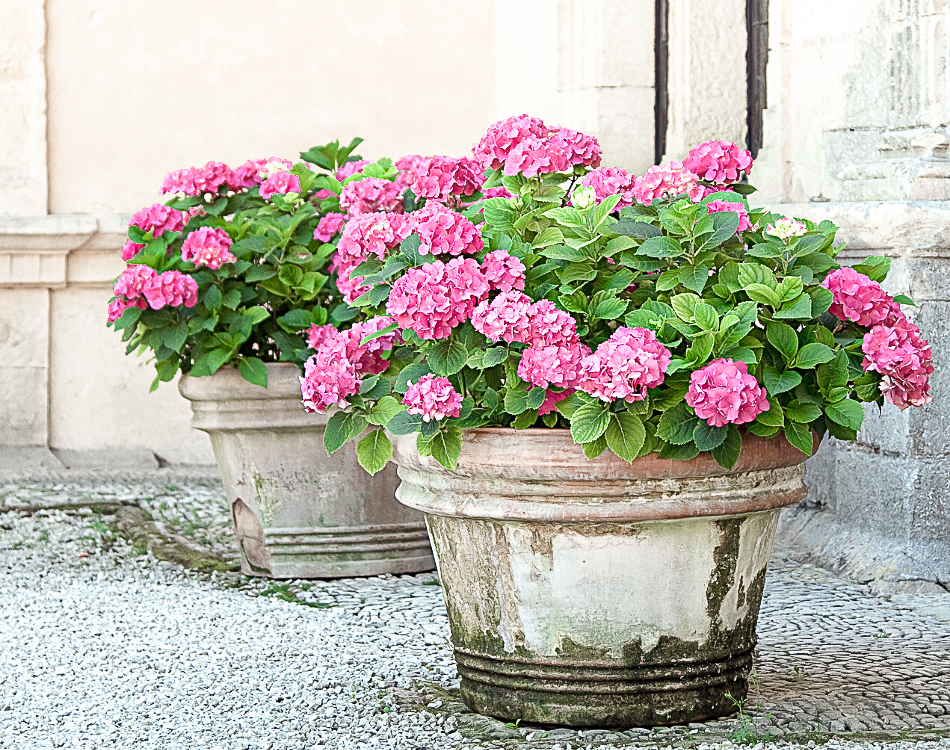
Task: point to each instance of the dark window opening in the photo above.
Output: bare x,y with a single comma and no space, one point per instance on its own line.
757,57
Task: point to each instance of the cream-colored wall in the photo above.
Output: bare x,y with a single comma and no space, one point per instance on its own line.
137,89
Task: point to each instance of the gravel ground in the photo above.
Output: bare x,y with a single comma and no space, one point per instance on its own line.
103,646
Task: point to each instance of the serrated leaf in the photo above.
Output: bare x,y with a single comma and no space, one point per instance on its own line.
525,420
706,317
875,267
684,304
661,247
641,230
668,280
494,356
802,412
447,357
374,451
797,309
384,410
811,355
903,299
411,372
403,423
685,452
677,425
765,250
727,453
595,447
761,293
610,309
334,434
253,370
821,300
445,446
846,412
625,435
800,436
259,273
516,401
783,337
725,223
694,277
706,437
589,422
754,273
779,382
295,320
774,416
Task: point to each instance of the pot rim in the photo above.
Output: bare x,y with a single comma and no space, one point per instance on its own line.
227,384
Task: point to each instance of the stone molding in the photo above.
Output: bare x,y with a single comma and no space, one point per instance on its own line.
53,251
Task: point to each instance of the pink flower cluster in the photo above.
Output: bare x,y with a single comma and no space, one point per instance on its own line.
497,192
200,180
441,178
442,231
279,182
723,392
119,306
905,362
737,208
667,182
334,372
350,168
253,171
371,195
719,162
556,365
434,298
156,218
608,181
859,299
625,365
365,235
503,271
433,398
525,145
507,317
207,247
171,288
329,226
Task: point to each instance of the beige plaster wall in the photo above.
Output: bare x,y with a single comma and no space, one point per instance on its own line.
137,89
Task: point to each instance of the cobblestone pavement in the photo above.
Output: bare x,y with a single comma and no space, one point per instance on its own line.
102,645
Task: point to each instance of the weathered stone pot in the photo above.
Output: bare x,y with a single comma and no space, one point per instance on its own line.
299,513
600,593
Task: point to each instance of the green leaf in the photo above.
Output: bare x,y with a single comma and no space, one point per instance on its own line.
701,348
380,333
641,230
789,288
726,224
762,430
384,410
343,313
727,453
295,320
610,309
212,298
684,304
494,356
774,416
661,247
402,423
257,314
742,354
821,300
253,370
374,451
797,309
765,250
875,268
447,357
800,436
563,252
625,435
516,401
577,272
231,299
798,411
334,434
411,372
846,412
706,317
778,382
536,397
761,293
374,297
708,437
754,273
259,273
445,446
783,337
525,420
595,447
589,422
216,358
668,280
903,299
834,374
811,355
685,452
677,425
694,277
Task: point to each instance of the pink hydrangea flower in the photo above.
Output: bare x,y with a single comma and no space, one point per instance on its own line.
667,182
371,234
904,360
119,306
132,281
625,365
319,335
350,168
442,231
557,365
340,361
329,226
501,138
552,399
371,195
279,182
497,192
170,289
158,218
718,161
253,171
503,271
441,178
859,299
207,247
192,181
507,317
737,208
574,149
350,286
324,194
723,392
130,250
411,168
434,298
433,398
550,325
608,181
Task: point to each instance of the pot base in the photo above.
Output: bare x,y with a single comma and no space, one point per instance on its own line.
602,695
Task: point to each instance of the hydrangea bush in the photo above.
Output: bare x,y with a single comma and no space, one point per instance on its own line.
233,268
654,313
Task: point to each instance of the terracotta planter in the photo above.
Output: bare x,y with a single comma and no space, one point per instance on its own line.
600,593
299,513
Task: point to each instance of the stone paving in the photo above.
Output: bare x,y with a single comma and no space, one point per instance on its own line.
835,662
